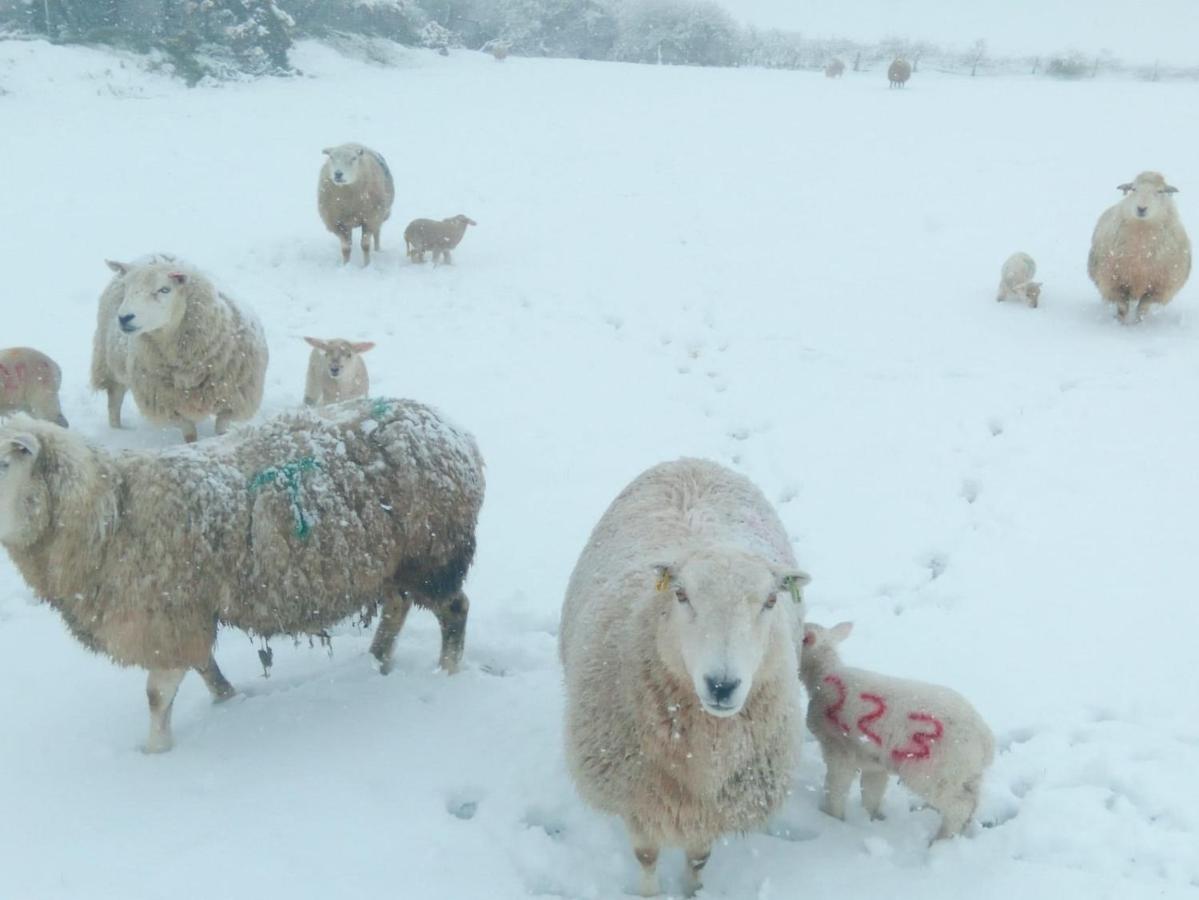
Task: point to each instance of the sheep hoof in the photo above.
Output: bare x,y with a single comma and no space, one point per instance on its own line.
157,744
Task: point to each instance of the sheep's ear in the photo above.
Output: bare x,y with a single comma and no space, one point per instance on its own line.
177,277
840,631
1170,189
24,444
362,346
328,151
809,636
318,344
1126,187
119,267
792,581
663,577
360,151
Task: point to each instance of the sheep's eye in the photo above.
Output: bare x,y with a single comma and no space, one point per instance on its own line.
771,600
681,596
164,290
3,466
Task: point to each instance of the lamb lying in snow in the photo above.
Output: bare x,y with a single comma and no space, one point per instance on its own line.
1015,280
928,735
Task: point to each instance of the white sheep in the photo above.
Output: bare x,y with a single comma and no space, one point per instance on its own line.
185,350
336,371
425,235
355,190
928,735
1015,280
1140,253
282,529
29,382
679,640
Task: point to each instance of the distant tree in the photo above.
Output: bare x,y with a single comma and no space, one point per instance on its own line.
857,61
1071,66
677,32
977,52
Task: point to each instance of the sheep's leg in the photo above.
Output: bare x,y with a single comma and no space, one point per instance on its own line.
116,396
447,258
1143,306
837,779
874,785
222,422
375,235
451,614
395,611
956,810
647,855
190,434
344,235
365,243
216,682
697,858
161,687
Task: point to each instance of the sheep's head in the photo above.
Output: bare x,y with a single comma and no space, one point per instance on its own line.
1032,291
154,298
345,162
722,612
22,493
460,222
820,649
338,353
1148,197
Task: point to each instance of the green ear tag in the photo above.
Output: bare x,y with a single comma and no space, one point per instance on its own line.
792,586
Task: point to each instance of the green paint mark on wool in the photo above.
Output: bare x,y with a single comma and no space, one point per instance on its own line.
288,475
380,407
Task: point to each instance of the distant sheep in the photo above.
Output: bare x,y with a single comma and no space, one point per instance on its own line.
29,382
1140,253
928,735
834,69
1015,280
424,235
499,50
186,350
355,191
679,640
283,529
336,371
899,72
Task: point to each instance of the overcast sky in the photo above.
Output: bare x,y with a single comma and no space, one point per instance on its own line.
1136,30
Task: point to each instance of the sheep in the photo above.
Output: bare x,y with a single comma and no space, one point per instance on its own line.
29,382
1015,280
282,529
834,69
679,641
423,235
499,50
336,371
1140,253
899,72
355,191
928,735
186,350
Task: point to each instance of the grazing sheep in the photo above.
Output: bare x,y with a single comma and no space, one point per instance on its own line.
679,640
899,72
185,350
928,735
1015,280
283,529
834,69
29,382
1140,253
355,191
336,371
499,50
423,235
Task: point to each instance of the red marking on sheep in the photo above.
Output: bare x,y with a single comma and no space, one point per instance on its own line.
12,377
921,741
833,713
880,710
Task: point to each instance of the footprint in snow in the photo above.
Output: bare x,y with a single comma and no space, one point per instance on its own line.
463,806
970,490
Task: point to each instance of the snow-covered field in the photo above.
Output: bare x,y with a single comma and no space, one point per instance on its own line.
789,275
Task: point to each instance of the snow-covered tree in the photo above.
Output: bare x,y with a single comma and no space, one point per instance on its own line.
677,32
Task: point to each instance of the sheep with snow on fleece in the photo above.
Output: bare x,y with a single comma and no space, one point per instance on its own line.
1015,280
282,529
928,735
898,73
336,371
1140,253
679,640
355,190
423,235
185,350
29,382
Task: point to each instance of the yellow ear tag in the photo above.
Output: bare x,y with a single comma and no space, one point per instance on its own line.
663,582
793,589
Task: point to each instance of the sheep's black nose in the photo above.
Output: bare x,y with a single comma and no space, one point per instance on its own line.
722,688
334,370
125,320
1141,210
337,175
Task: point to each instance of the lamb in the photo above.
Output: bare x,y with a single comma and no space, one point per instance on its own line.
1140,253
336,371
282,529
834,69
355,191
928,735
1015,280
186,350
679,641
899,72
423,235
29,382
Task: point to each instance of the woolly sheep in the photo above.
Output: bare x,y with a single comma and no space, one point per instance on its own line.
899,72
29,382
1140,253
282,529
928,735
336,371
423,235
1015,280
678,639
186,350
834,69
355,191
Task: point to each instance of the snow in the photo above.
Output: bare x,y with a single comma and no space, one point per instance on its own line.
789,275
